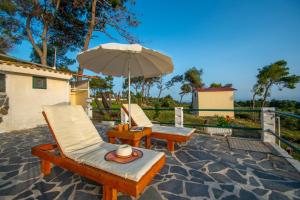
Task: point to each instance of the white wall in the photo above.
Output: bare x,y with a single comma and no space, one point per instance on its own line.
25,103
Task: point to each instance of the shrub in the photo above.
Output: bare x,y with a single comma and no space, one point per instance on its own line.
106,117
168,102
222,121
290,123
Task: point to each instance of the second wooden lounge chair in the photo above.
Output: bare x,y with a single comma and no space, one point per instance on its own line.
170,133
80,149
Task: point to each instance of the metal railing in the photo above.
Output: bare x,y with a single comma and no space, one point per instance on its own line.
287,114
196,125
288,143
280,133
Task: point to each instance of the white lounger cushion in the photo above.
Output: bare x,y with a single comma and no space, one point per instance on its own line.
141,119
72,127
80,141
94,156
172,130
138,115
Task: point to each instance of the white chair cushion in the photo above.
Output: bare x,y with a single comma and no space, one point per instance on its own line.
138,115
94,156
172,130
72,127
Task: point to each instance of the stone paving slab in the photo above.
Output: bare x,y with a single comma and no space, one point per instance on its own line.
203,168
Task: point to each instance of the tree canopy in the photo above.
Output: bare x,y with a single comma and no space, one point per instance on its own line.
9,27
66,25
100,16
101,84
184,89
219,85
193,77
275,74
62,60
215,85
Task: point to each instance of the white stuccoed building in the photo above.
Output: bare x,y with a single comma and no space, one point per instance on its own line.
24,88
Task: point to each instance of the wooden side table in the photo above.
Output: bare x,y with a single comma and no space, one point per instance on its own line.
132,138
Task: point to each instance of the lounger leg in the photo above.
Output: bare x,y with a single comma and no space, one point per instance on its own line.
170,145
112,140
148,142
135,143
109,193
45,167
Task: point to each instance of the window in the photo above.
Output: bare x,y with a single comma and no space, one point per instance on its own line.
2,82
39,82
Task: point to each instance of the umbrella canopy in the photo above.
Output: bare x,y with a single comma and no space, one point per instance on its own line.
126,60
118,59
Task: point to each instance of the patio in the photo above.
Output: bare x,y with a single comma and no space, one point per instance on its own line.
203,168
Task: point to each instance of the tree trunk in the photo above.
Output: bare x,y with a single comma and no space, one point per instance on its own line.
57,4
266,94
148,90
192,104
117,97
135,88
142,91
30,37
44,43
160,87
105,103
97,96
253,101
89,33
109,99
181,96
253,106
159,93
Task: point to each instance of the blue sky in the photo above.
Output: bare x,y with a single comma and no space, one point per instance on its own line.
228,39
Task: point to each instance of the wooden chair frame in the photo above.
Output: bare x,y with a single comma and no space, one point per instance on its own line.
111,183
170,137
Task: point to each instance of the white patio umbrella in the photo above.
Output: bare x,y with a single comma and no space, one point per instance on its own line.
126,60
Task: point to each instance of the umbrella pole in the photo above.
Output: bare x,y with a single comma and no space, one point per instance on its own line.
129,99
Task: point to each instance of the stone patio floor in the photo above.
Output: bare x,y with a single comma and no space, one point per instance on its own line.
203,168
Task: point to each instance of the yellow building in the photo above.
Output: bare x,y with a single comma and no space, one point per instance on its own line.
214,98
79,93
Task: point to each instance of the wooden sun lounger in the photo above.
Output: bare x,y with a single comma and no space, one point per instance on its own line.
111,183
170,137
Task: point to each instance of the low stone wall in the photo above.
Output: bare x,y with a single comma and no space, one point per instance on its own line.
218,131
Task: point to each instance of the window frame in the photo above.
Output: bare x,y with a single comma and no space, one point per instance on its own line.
39,77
